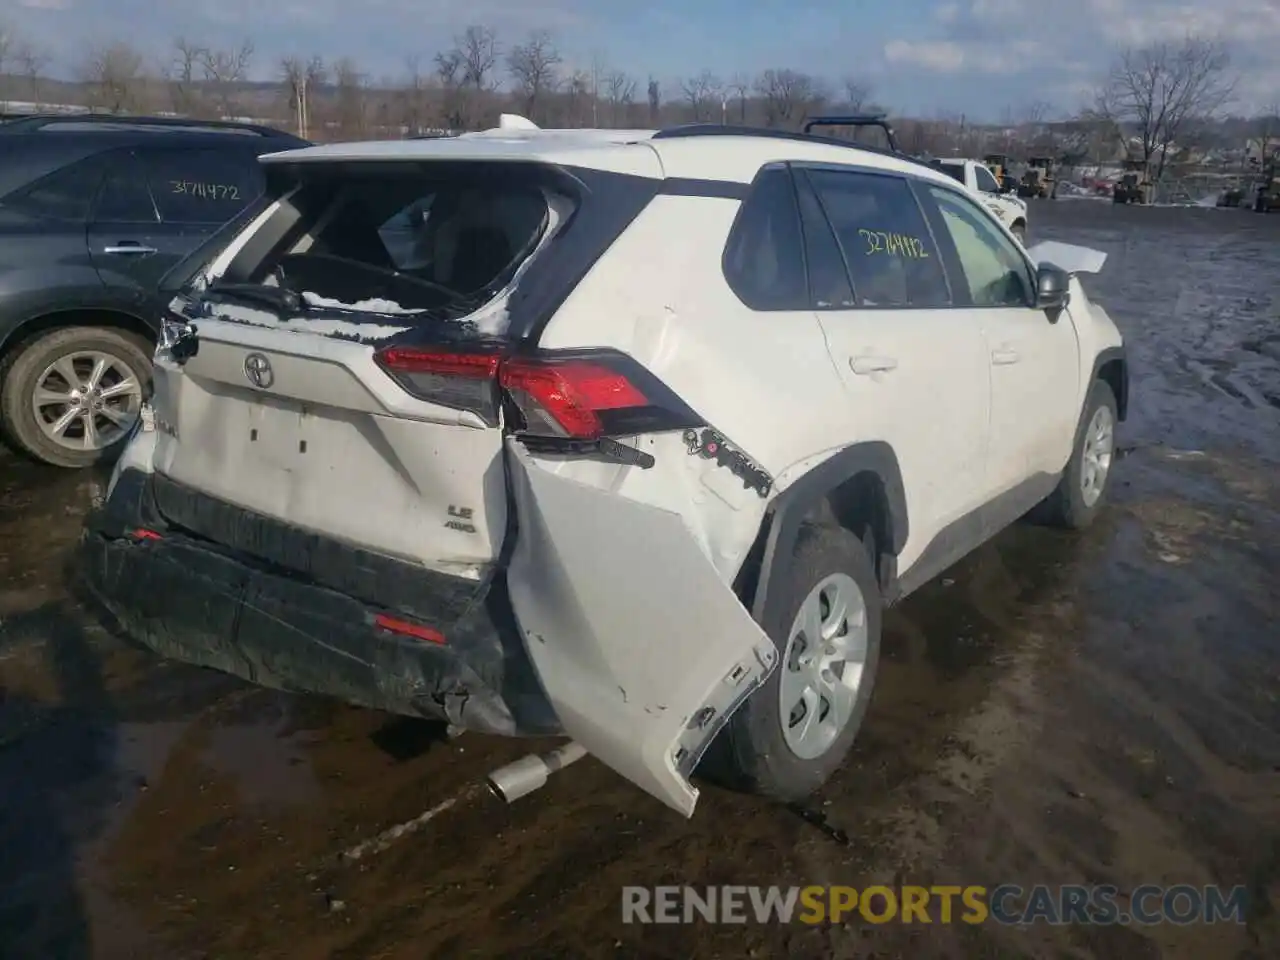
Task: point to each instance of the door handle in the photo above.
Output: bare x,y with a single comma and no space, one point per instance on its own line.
129,248
1003,356
866,365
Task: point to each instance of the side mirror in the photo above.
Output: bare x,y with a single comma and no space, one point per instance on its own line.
1053,287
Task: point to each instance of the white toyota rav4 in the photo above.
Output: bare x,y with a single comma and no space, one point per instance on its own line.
627,436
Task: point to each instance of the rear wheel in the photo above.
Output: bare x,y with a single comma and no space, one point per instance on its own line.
1019,230
71,396
794,733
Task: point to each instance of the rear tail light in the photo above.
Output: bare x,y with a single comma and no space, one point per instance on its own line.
582,395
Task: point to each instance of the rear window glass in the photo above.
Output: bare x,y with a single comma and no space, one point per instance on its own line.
63,196
406,242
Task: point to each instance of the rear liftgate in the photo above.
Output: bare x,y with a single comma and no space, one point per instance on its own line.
641,647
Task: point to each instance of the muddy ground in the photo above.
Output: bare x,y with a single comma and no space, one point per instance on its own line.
1101,709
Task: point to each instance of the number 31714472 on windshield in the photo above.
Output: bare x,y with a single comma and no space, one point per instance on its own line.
207,191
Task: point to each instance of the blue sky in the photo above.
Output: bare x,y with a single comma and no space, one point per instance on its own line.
979,57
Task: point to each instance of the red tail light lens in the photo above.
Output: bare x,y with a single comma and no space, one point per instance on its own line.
566,399
584,395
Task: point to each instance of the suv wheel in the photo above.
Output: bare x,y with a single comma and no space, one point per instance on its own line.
71,396
1019,230
793,734
1084,483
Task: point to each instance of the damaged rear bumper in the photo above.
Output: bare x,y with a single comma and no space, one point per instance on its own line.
191,599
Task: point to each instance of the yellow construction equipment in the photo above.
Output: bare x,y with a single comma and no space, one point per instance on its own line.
1135,184
998,164
1038,179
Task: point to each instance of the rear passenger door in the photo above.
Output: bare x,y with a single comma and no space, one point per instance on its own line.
913,367
157,205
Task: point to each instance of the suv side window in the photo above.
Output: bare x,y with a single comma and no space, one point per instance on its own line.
995,271
986,180
202,186
763,259
887,245
65,195
124,197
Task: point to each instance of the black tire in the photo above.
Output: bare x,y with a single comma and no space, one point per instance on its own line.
1066,506
1019,230
23,367
752,753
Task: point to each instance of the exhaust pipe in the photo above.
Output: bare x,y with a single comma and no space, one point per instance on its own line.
522,777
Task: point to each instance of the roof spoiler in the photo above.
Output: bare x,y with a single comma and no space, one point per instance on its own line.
513,121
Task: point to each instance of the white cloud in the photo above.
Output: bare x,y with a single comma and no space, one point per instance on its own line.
948,56
939,56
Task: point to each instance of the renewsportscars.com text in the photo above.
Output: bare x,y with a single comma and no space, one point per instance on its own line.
1006,904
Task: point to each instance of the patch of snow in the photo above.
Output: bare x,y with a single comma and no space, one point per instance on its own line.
375,305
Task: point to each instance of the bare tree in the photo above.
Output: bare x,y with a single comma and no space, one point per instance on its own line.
703,93
352,108
224,70
534,67
787,95
301,79
413,98
1159,90
181,74
8,44
739,89
655,103
621,91
857,94
478,47
32,61
115,74
578,89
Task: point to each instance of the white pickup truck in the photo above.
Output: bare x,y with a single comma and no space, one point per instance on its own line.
982,183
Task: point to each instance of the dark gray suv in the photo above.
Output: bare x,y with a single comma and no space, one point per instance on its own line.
95,211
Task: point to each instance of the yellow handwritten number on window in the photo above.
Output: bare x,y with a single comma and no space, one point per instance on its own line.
893,245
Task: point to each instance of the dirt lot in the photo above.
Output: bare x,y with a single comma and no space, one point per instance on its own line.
1103,709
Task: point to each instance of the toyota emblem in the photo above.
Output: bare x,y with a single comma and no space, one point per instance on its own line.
258,369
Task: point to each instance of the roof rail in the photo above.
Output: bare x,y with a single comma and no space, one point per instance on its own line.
880,120
40,121
723,130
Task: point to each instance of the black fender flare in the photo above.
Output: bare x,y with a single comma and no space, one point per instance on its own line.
781,526
1105,356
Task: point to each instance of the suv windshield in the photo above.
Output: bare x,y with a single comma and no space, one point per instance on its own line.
393,242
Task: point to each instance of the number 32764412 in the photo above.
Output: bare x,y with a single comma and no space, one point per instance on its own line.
205,191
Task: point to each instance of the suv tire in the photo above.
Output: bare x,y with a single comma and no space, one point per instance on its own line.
756,753
21,373
1083,488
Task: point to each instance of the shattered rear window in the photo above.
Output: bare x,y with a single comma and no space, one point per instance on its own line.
437,245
